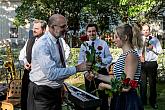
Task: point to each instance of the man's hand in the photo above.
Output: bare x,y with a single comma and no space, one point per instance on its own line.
142,59
89,75
150,47
27,66
85,66
98,59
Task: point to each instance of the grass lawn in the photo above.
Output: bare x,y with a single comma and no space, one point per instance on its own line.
160,97
78,81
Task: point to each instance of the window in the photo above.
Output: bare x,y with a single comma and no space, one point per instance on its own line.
13,32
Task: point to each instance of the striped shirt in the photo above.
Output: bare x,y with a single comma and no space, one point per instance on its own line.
120,63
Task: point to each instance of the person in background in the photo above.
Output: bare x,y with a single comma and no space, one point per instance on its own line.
39,28
91,83
149,56
127,38
48,67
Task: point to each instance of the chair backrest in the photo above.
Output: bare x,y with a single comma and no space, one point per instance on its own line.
111,68
6,106
14,91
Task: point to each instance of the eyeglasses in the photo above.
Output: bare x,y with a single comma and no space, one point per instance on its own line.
62,27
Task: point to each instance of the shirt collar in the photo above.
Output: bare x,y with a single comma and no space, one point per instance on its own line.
94,40
52,37
148,36
36,39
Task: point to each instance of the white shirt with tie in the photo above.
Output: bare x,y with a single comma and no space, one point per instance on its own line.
105,52
152,55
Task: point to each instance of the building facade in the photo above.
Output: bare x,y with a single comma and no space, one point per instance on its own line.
7,30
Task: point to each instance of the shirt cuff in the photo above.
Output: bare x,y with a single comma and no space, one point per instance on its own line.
104,61
25,61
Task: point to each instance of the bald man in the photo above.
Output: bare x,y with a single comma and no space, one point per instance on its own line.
48,67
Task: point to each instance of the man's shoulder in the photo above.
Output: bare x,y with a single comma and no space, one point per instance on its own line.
41,42
102,41
43,38
31,39
153,38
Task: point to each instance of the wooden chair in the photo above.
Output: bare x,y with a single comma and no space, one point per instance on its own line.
14,92
6,106
111,70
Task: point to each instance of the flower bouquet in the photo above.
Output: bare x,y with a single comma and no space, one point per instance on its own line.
124,83
92,55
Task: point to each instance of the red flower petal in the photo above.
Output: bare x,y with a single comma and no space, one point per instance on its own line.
126,81
84,38
133,84
99,47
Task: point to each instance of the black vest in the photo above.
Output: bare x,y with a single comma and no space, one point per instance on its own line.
29,46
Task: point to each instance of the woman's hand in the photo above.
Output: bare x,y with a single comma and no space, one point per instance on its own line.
98,59
103,86
126,90
105,78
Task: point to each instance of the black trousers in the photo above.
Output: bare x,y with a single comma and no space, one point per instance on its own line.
41,97
90,86
24,89
149,70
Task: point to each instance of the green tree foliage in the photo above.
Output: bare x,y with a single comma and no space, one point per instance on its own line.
98,11
42,9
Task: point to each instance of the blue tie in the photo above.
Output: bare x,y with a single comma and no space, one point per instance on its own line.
93,43
60,52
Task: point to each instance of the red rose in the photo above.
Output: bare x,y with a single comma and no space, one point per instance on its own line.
133,84
99,47
126,81
84,38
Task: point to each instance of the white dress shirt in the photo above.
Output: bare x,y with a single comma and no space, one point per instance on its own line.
152,55
105,53
22,55
66,48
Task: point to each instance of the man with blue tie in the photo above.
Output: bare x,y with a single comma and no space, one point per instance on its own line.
91,83
48,70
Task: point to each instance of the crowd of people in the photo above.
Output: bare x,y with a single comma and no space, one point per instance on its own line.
45,54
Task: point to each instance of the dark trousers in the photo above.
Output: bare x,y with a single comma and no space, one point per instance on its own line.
41,97
24,89
149,70
90,86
